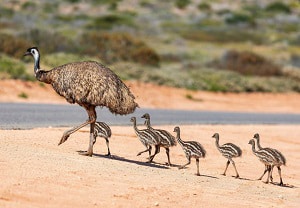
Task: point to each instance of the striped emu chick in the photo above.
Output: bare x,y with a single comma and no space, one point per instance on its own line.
167,140
229,151
148,138
279,156
192,149
266,156
102,130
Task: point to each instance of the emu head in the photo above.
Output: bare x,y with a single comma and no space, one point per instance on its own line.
34,52
133,119
251,142
216,136
176,129
256,136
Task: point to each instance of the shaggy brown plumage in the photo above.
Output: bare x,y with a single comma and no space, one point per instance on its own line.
88,84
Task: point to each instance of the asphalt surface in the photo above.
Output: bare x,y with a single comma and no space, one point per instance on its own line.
24,116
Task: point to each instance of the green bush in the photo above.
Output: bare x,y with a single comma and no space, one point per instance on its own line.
13,69
248,63
112,47
223,35
237,18
204,7
13,46
107,22
49,41
182,4
278,7
23,95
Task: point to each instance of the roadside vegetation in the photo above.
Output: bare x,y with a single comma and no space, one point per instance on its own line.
199,45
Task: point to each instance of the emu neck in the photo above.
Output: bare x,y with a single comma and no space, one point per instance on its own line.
253,148
148,124
217,143
178,138
43,76
258,144
135,127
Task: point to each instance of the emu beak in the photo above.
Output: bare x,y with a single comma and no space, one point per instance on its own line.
27,53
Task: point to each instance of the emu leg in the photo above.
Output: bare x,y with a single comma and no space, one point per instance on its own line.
107,144
271,177
279,172
269,170
147,150
157,150
89,152
266,169
168,155
226,168
237,174
197,163
183,166
92,119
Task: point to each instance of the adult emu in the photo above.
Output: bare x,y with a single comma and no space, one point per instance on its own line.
89,84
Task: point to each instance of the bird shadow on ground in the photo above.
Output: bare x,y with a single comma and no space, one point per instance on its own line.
208,176
284,185
122,159
244,179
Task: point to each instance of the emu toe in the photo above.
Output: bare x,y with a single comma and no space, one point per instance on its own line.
63,139
86,153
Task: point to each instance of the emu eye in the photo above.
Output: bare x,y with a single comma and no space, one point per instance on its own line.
32,51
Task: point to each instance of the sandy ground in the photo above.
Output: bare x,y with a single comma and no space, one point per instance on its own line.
35,172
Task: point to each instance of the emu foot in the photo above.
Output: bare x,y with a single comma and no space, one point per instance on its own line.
108,155
266,182
223,174
86,153
63,139
197,174
237,176
169,164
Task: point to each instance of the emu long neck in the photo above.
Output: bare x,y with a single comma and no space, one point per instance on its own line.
258,143
178,138
148,124
135,127
41,75
44,76
217,142
253,148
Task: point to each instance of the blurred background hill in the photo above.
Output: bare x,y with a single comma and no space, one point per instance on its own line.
214,45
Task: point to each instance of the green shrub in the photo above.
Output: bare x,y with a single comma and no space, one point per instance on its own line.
13,69
49,41
107,22
6,12
248,63
28,5
112,47
237,18
223,35
13,46
182,4
204,7
278,7
23,95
